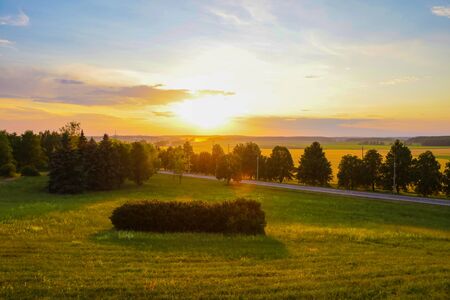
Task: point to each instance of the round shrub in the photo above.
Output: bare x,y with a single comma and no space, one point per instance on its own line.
240,216
29,171
8,170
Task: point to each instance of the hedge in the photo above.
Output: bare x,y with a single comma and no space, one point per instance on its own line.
29,171
8,170
240,216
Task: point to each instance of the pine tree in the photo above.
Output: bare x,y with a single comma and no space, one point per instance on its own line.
66,169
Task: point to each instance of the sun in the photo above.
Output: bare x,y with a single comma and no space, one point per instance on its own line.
208,112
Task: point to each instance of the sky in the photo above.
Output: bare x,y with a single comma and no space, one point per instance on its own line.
284,68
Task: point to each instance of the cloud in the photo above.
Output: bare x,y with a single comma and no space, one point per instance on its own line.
441,11
6,43
42,86
166,114
215,93
69,81
400,80
243,12
311,77
19,119
20,19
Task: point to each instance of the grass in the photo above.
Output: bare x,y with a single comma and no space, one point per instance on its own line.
317,246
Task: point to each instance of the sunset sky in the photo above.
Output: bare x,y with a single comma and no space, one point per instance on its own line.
330,68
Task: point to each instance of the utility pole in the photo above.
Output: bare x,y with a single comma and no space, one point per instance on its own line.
362,152
257,167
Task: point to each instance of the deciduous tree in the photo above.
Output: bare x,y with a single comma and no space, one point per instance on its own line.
427,177
372,164
399,157
282,164
351,171
314,168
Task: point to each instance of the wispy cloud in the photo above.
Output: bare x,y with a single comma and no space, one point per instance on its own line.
441,11
400,80
215,93
311,77
6,43
20,19
243,12
68,81
166,114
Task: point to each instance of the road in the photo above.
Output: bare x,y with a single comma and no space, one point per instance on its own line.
366,195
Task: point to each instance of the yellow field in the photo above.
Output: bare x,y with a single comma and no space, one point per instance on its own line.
335,155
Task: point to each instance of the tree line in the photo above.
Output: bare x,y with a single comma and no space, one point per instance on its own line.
76,164
398,171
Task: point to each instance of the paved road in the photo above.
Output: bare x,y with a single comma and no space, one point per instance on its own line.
367,195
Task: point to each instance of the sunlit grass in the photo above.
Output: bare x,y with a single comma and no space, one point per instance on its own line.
316,246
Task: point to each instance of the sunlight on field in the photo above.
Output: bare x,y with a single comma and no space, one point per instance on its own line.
317,246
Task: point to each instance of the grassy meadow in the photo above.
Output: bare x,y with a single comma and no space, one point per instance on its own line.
317,246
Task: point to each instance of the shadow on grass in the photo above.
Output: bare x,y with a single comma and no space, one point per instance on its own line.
197,244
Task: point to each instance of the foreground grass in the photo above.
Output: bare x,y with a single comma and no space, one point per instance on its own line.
317,246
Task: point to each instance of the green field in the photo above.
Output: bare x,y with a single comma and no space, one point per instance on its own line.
317,246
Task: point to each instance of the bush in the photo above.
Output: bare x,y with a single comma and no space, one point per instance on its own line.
238,216
29,171
8,170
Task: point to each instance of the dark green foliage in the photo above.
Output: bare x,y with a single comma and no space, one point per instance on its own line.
30,151
6,154
88,153
67,170
108,174
229,167
141,167
188,153
401,155
372,164
264,168
15,142
351,172
446,180
314,168
73,131
248,154
203,163
178,162
240,216
8,170
50,142
216,153
430,140
281,164
426,174
29,171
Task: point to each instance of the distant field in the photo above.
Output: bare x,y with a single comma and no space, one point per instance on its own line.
317,246
335,151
